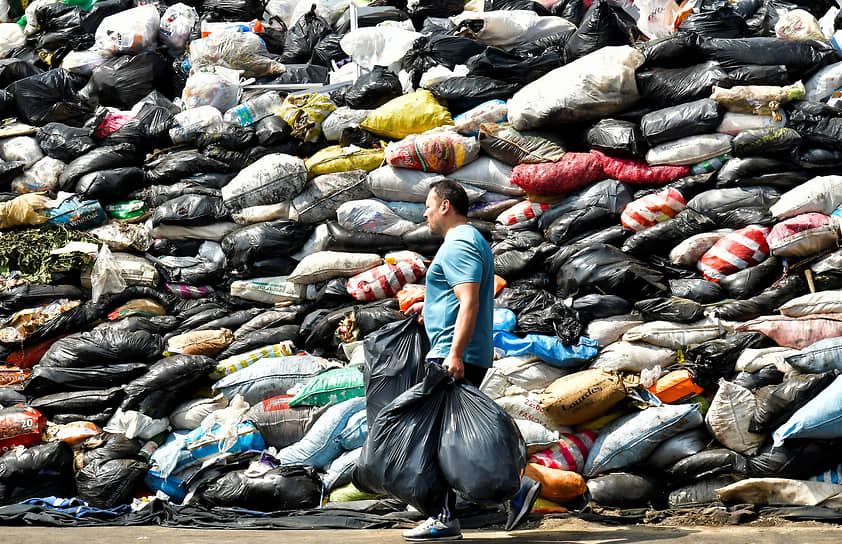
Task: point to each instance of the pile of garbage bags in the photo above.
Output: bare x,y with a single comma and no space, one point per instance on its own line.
212,224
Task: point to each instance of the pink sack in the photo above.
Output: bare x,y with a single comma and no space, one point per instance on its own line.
737,251
521,212
652,209
796,332
802,235
639,171
385,280
569,453
571,171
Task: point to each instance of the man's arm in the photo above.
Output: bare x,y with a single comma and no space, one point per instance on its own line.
466,320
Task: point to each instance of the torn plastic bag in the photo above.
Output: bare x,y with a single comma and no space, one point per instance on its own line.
107,484
715,359
101,158
110,185
799,57
149,129
122,81
263,240
85,401
670,309
775,404
617,138
160,390
49,97
394,362
45,380
400,455
63,142
722,22
190,210
472,424
40,471
373,89
281,488
303,36
604,24
98,346
659,239
668,86
688,119
773,172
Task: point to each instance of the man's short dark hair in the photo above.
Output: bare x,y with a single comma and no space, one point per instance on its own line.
454,193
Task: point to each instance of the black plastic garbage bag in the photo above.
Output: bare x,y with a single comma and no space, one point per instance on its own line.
715,359
233,10
817,158
123,81
595,306
572,10
174,166
731,207
661,238
394,362
282,488
617,138
110,185
101,158
463,93
328,49
227,135
262,240
722,22
688,119
27,295
767,376
764,302
373,89
697,289
233,321
40,471
799,459
621,489
106,446
190,210
772,141
675,309
304,36
259,338
53,379
773,172
817,123
557,319
752,280
64,142
103,346
400,455
758,74
160,390
13,69
88,401
106,484
564,228
521,253
507,66
49,98
439,49
608,194
604,24
674,51
706,464
776,403
606,269
670,86
801,57
472,426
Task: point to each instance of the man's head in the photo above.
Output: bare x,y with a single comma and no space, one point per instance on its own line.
447,206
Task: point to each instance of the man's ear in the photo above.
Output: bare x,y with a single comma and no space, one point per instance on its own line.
445,206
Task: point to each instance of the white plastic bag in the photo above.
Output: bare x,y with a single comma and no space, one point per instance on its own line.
236,50
84,62
340,119
519,375
190,414
187,124
487,173
406,185
177,23
326,265
593,86
270,290
729,416
271,179
106,277
330,10
657,17
11,36
282,9
378,46
798,24
372,216
212,86
130,31
822,194
734,123
824,83
21,148
223,424
608,330
43,176
510,28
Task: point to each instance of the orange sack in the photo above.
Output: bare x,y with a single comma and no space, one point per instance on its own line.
557,485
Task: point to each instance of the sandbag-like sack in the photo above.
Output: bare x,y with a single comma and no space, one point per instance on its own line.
441,151
803,235
736,251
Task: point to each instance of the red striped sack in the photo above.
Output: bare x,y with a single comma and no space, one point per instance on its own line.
571,171
739,250
569,453
385,280
522,212
652,209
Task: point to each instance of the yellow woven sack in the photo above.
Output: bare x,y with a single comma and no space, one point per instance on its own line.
304,113
335,159
411,113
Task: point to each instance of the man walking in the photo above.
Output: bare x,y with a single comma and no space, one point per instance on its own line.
458,313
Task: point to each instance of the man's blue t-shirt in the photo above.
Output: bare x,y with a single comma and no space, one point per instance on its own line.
464,257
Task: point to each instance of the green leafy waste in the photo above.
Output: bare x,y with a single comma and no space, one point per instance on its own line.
28,251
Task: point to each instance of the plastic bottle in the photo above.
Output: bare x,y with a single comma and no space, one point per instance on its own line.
254,109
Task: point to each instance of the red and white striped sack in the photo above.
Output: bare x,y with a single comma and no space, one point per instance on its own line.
522,212
569,453
652,209
385,280
737,251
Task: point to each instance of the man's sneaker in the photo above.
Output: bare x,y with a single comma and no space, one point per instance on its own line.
434,529
521,506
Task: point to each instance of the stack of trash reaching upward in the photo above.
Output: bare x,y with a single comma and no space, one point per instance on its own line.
213,221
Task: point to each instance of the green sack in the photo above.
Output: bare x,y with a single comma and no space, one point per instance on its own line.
349,493
126,210
331,387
